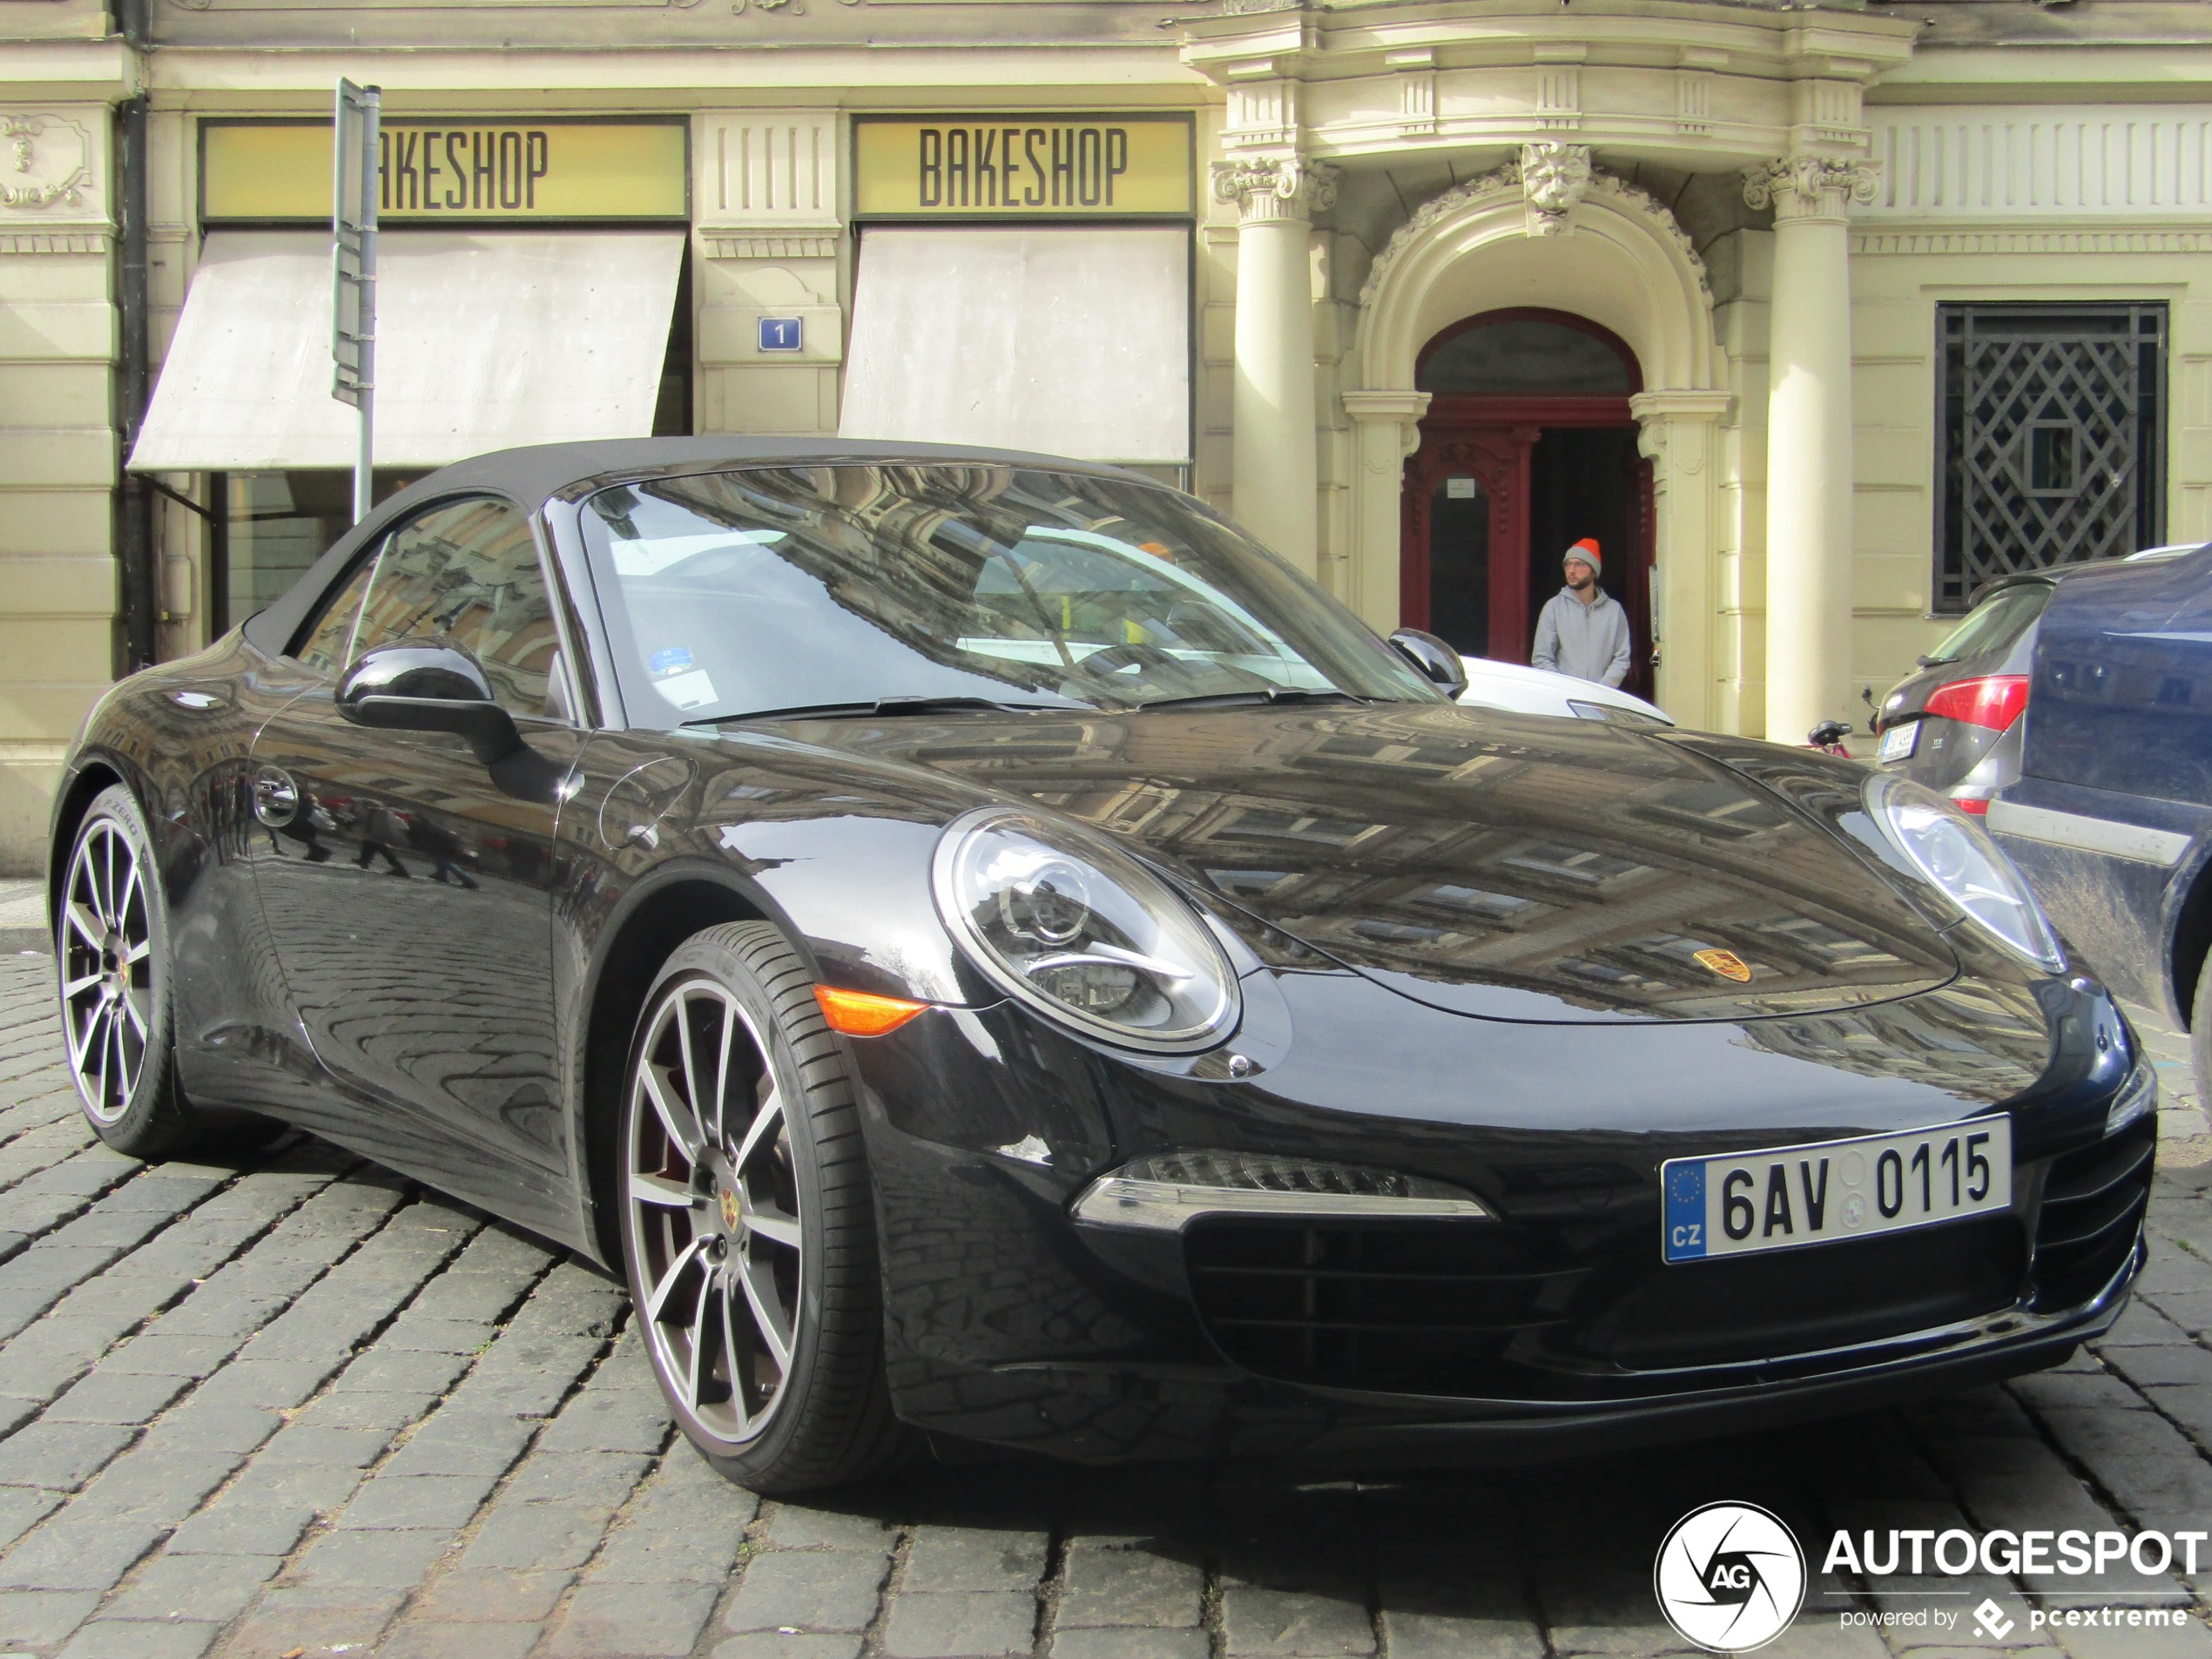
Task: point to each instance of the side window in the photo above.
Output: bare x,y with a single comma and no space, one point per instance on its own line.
467,574
325,649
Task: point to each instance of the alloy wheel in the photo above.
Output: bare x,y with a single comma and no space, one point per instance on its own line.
712,1201
106,943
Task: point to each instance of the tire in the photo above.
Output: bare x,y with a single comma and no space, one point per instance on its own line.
748,1230
2201,1034
112,969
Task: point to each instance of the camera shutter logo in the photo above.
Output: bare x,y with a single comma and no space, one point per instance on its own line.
1729,1577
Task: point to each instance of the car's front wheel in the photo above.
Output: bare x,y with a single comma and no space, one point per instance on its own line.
747,1220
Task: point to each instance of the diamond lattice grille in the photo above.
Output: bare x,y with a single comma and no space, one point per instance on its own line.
2052,428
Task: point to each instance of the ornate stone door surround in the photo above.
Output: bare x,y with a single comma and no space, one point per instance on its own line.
1627,265
1553,93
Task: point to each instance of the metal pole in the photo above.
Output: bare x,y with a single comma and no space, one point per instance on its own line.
365,464
354,181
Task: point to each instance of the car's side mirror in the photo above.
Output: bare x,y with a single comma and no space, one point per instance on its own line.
1436,660
428,688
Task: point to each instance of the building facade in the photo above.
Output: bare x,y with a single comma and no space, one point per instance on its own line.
1814,316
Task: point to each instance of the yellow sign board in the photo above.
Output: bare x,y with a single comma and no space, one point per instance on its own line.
1022,166
456,168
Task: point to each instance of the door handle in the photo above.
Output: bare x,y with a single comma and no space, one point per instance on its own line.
276,798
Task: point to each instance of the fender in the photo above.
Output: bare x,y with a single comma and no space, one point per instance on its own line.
2187,897
721,853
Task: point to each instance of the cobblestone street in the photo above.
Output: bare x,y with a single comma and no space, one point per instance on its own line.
298,1407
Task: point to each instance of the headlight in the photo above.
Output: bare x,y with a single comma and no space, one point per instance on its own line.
2137,1096
1078,929
1948,851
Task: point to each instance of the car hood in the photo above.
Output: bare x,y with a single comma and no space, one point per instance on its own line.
1496,865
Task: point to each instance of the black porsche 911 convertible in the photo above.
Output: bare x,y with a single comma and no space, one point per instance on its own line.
988,950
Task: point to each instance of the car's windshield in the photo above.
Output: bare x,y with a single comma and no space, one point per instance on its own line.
765,590
1993,624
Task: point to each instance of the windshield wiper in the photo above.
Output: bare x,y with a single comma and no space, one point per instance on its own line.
881,705
1249,699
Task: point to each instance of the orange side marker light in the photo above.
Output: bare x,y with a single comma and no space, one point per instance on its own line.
859,1014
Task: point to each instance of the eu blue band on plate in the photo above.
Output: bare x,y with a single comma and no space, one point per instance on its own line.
1685,1212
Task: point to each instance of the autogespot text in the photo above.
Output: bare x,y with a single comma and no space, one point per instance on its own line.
2071,1553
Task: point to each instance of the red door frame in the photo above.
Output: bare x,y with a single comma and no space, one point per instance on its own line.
1490,438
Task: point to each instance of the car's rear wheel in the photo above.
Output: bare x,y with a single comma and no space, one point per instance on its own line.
2201,1034
112,950
748,1219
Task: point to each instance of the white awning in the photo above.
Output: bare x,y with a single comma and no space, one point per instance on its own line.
1076,342
483,342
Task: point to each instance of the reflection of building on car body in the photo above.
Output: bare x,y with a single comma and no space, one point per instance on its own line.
1027,965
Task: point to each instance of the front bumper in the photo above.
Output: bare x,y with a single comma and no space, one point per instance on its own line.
1554,1327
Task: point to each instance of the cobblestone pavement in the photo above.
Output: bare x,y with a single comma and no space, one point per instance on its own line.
296,1405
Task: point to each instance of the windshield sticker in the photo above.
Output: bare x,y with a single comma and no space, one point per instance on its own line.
691,691
669,659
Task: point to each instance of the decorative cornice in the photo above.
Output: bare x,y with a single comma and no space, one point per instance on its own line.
1385,405
1510,180
723,242
1811,187
1553,177
17,242
1288,188
1648,407
1876,243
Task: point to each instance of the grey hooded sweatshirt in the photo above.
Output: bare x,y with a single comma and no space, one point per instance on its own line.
1588,641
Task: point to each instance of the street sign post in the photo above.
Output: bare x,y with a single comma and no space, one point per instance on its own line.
352,234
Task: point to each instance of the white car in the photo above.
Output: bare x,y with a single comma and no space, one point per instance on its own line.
1538,690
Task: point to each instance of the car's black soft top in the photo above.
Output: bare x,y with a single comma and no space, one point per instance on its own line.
534,474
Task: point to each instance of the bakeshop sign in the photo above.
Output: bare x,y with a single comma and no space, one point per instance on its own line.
437,170
1023,166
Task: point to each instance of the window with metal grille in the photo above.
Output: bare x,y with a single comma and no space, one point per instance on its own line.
2053,439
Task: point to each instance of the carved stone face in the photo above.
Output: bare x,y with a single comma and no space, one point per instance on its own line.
1553,178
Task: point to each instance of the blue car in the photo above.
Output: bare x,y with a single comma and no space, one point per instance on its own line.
2111,818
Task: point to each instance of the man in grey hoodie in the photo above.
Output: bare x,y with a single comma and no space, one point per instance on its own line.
1583,630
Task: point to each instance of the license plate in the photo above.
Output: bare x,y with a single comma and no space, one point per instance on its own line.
1790,1195
1899,741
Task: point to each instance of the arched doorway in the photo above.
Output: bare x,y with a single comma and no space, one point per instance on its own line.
1527,447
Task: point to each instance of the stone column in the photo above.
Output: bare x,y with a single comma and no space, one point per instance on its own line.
1386,428
1679,434
1273,447
1809,440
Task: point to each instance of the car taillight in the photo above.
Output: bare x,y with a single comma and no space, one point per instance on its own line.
1994,701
